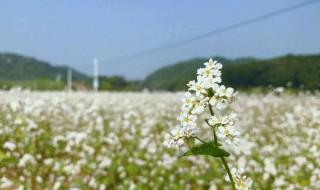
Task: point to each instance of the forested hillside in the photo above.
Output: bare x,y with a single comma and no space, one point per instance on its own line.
296,71
28,72
19,67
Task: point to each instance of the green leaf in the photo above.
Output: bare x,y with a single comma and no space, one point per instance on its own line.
210,93
207,149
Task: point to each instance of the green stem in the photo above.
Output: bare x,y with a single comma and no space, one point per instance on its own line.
214,133
200,140
215,137
222,158
211,110
228,171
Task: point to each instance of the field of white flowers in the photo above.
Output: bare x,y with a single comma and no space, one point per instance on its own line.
115,141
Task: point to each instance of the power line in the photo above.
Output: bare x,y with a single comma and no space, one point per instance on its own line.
211,33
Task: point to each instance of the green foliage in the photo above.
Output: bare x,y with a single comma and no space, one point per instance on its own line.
29,73
174,77
291,70
118,83
36,84
295,71
208,149
18,67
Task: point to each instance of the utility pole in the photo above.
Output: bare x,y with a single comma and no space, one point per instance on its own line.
95,83
69,78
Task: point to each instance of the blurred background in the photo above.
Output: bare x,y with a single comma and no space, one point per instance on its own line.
133,45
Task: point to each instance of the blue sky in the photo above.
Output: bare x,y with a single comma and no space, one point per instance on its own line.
72,32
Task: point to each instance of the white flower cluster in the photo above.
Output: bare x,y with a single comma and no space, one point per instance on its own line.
226,128
205,91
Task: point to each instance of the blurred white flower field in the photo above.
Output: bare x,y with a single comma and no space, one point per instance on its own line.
54,140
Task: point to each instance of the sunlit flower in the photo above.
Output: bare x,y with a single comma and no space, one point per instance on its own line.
9,145
197,87
229,134
241,181
5,182
187,120
26,159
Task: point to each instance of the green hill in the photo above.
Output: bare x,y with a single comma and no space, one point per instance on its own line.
27,72
16,67
299,71
295,70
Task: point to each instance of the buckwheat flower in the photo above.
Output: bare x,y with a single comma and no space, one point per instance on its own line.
279,181
171,141
188,101
224,92
213,101
5,182
39,179
197,87
217,73
229,134
72,169
18,121
102,187
222,103
186,96
300,160
269,167
14,105
31,125
93,183
213,186
27,158
76,137
177,135
209,72
315,178
213,64
188,132
74,188
241,181
56,185
48,161
106,162
205,72
198,109
208,83
9,146
187,120
223,97
218,120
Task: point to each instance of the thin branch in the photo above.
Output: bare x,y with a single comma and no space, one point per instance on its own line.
200,140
